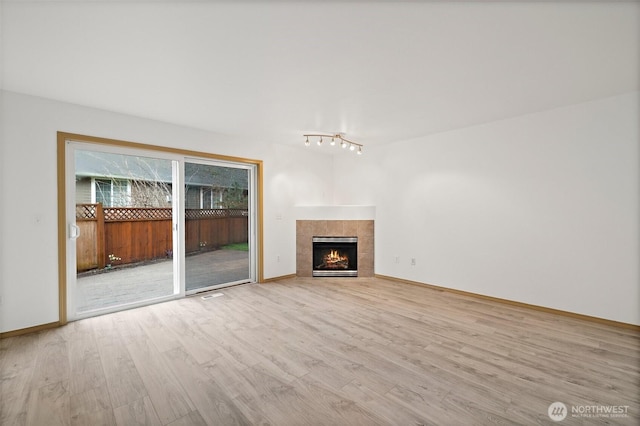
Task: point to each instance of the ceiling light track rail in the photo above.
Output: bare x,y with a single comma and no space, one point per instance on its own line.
335,138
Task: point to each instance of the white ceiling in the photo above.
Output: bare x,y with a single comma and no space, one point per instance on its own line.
378,71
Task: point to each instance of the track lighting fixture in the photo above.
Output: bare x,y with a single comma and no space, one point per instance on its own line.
344,143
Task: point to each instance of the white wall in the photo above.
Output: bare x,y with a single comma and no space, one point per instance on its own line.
541,209
296,176
28,222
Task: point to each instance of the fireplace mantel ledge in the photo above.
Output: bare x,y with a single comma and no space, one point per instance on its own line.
335,212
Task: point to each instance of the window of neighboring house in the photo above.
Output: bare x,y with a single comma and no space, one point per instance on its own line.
208,198
220,198
112,192
192,197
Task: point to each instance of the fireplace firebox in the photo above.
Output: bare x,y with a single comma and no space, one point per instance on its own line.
335,256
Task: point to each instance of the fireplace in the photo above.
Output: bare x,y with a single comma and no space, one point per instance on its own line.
335,256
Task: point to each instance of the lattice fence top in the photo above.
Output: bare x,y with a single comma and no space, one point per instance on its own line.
213,213
113,214
136,213
86,211
238,212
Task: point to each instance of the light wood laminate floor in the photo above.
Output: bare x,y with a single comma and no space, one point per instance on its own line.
342,351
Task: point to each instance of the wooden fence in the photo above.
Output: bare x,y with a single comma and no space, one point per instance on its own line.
134,234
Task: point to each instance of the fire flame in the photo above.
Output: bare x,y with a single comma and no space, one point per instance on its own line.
334,256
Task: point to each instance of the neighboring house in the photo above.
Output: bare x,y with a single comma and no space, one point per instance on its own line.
117,180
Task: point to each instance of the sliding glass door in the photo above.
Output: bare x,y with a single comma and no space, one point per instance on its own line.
145,226
122,228
217,202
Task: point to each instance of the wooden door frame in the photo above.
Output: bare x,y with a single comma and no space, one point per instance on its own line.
63,137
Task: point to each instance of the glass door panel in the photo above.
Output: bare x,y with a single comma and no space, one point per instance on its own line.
217,224
124,230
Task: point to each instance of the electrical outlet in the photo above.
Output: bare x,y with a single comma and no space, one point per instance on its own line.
413,261
397,259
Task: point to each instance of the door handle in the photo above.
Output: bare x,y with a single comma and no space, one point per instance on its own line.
74,231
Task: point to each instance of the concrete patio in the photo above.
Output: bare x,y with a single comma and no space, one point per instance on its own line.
152,280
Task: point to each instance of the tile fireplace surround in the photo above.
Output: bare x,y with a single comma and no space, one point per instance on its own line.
306,229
